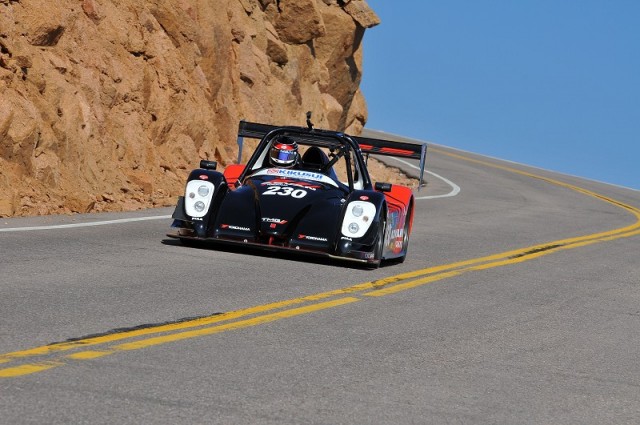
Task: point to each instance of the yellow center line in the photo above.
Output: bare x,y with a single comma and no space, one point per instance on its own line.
88,355
30,368
377,288
235,325
91,341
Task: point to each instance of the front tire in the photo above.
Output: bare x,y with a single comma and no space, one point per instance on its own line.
379,246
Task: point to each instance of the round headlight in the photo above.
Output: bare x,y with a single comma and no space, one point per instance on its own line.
357,211
353,227
199,206
203,191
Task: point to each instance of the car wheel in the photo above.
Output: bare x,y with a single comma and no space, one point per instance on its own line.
405,236
379,246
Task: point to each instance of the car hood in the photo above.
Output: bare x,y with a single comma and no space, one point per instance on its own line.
286,205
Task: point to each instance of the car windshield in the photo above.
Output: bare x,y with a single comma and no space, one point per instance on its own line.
328,159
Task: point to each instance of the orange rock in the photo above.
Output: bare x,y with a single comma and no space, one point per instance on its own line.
106,105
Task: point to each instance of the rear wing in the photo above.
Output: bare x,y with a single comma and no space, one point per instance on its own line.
368,145
412,150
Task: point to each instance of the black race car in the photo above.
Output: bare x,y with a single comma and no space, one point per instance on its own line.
305,191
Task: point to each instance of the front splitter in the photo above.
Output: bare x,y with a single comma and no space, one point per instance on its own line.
271,248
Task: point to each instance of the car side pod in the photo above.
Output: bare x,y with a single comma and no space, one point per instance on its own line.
383,187
203,193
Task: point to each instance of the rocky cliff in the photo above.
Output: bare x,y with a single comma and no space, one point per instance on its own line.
107,104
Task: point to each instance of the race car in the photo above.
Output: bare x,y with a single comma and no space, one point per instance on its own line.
303,191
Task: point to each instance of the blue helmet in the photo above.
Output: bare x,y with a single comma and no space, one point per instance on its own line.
283,152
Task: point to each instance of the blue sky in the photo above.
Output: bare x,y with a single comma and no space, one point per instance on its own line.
549,83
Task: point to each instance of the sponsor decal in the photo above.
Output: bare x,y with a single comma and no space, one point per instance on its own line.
312,238
300,174
232,227
196,218
392,223
345,238
394,237
273,220
364,198
203,177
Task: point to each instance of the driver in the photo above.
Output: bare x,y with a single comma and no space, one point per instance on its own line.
283,152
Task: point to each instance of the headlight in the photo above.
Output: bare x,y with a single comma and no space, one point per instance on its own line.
358,218
197,199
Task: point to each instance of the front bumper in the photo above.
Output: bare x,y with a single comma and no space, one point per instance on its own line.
360,257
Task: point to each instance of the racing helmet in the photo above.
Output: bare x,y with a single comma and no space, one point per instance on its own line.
283,152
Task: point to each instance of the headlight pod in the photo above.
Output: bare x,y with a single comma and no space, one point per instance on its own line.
197,198
358,219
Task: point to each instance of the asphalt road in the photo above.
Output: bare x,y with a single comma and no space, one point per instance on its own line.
519,302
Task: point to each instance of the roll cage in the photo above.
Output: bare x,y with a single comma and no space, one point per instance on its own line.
359,147
339,145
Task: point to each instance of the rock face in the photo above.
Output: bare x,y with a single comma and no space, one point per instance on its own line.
108,104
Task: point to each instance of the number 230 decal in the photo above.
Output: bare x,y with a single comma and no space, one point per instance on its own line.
285,191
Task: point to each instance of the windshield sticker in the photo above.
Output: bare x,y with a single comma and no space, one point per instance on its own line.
296,174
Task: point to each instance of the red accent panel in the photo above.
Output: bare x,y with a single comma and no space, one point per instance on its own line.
400,198
399,195
401,152
386,150
232,172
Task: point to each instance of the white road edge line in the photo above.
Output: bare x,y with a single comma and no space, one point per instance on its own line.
455,189
93,223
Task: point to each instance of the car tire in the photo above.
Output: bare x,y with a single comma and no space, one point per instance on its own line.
405,239
379,246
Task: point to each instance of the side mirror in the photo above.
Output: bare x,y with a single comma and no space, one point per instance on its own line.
383,187
208,165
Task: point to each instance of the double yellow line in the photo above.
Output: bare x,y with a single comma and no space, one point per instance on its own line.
46,357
